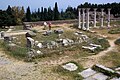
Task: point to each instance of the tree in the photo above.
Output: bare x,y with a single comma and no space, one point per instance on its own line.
56,12
50,14
45,14
19,13
9,10
38,14
42,14
28,14
11,18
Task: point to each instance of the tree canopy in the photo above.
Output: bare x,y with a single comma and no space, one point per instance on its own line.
16,14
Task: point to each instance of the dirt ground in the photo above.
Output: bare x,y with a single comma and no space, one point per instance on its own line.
12,69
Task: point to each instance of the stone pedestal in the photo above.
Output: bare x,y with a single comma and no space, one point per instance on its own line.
95,17
79,21
87,21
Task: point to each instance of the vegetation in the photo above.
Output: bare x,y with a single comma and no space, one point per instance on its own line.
103,42
16,14
114,31
15,51
28,15
117,42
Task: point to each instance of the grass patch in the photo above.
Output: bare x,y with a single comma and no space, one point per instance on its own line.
18,27
15,51
3,29
73,74
113,57
41,37
114,31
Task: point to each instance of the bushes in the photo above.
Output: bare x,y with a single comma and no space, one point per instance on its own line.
117,42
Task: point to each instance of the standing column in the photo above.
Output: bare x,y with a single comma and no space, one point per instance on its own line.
83,19
102,16
87,21
79,12
108,18
95,17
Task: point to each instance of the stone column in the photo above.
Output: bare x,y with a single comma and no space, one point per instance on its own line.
108,17
95,17
102,17
83,18
87,21
79,12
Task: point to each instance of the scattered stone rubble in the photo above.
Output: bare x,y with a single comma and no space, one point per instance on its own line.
47,33
58,31
99,72
92,47
32,54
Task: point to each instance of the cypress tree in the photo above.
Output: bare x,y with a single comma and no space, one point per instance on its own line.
28,14
45,14
42,14
56,12
50,14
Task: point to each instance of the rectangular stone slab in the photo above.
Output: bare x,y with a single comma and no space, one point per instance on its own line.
87,73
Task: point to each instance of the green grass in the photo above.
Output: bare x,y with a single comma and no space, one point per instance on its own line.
14,51
115,22
3,29
103,42
18,27
114,31
73,74
113,57
41,37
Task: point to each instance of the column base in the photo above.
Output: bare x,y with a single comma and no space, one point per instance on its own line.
84,28
79,27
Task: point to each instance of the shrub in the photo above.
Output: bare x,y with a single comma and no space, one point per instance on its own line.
117,42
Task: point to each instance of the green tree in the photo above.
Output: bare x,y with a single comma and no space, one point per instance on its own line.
28,14
11,18
42,14
50,14
19,13
56,12
45,14
38,14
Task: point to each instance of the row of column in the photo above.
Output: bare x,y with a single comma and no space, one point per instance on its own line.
87,18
